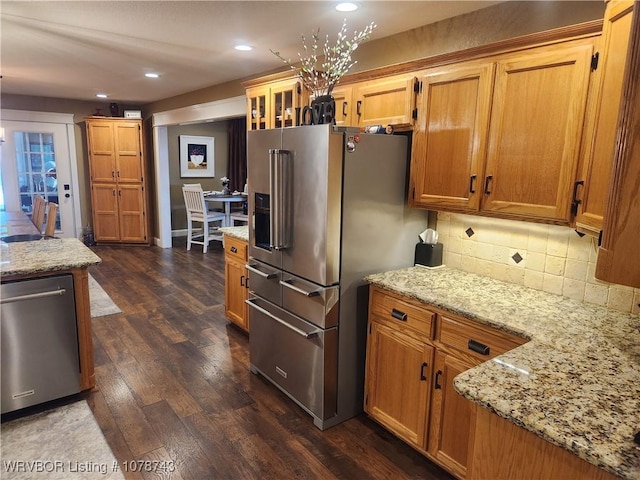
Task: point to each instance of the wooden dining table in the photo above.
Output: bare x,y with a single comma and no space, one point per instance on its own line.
227,200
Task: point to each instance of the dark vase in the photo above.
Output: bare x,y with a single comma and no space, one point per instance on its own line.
323,110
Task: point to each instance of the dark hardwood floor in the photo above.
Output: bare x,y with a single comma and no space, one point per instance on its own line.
173,385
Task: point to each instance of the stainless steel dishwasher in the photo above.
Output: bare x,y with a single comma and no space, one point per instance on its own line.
40,359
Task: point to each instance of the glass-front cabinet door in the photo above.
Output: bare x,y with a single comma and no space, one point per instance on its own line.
257,108
285,98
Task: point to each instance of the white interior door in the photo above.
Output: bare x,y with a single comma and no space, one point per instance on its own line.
36,160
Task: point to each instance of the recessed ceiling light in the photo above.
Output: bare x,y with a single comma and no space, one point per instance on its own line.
346,7
101,95
244,48
151,75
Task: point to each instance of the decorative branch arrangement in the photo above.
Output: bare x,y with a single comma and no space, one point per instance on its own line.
336,63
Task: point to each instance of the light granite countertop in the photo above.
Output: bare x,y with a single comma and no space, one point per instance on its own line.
576,383
28,258
241,232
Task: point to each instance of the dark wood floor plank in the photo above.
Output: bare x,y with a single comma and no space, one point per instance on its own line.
140,436
181,446
174,385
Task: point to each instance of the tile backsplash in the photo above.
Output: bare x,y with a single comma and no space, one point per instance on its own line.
545,257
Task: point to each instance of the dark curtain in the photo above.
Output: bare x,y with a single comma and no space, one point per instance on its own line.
237,167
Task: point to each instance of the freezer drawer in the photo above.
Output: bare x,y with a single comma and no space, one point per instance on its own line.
265,280
40,360
298,357
316,304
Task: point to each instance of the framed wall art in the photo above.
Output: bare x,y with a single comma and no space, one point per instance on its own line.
196,156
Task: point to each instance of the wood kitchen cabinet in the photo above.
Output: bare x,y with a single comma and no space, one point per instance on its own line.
619,256
399,366
414,352
119,198
273,103
384,101
504,143
592,184
449,147
504,450
236,286
461,345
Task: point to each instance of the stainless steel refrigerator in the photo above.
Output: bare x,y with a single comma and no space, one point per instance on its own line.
327,206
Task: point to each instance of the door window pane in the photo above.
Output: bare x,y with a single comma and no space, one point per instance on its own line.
36,162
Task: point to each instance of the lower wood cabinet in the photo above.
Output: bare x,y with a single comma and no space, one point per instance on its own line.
502,449
236,286
414,351
398,382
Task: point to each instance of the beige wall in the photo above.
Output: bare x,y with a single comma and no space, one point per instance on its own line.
217,130
492,24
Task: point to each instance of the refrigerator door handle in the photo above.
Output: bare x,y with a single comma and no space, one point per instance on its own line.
306,293
279,186
297,330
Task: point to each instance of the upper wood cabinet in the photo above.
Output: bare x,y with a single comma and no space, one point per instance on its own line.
619,255
450,137
385,101
529,116
273,105
119,198
536,125
592,184
344,114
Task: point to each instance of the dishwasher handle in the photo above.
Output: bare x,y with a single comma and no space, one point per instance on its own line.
33,296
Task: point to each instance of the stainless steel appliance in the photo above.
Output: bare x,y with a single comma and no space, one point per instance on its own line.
40,360
328,207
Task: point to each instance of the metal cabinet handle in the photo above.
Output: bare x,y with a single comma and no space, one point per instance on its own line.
358,106
282,322
436,384
472,184
242,280
233,250
32,296
487,181
344,109
478,347
268,276
574,200
306,293
398,315
422,375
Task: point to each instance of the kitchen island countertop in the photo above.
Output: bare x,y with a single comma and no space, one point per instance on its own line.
576,383
241,232
29,258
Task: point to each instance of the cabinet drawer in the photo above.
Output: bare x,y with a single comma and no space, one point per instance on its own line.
476,340
235,248
403,313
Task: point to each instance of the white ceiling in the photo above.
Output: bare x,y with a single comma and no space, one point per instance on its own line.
76,49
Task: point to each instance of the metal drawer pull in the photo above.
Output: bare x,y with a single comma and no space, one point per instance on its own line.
33,296
288,284
268,276
398,315
422,375
478,347
234,250
300,332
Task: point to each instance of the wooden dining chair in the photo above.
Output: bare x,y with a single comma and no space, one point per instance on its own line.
197,211
52,215
39,208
